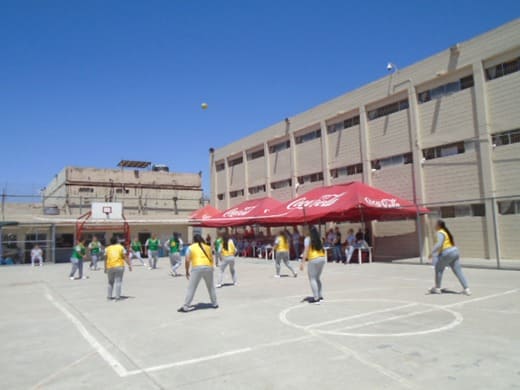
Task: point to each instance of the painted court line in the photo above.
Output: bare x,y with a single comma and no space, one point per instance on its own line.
188,362
484,298
96,345
393,318
56,374
359,316
350,352
217,356
123,372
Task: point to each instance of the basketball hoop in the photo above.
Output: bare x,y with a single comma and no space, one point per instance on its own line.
107,210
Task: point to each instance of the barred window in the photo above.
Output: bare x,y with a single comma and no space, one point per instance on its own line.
445,89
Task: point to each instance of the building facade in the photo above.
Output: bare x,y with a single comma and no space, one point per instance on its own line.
444,132
154,201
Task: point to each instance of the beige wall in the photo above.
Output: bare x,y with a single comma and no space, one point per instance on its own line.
140,191
466,115
448,120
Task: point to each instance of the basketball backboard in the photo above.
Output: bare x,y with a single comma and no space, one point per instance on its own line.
107,211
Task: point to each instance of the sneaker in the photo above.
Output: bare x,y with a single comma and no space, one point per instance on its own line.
219,285
276,276
84,277
215,306
466,291
295,275
149,267
183,310
72,278
320,298
316,301
435,290
235,283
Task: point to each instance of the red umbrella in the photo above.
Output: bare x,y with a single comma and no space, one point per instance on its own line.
246,213
353,202
204,213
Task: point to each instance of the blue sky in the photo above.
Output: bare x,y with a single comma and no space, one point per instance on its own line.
87,83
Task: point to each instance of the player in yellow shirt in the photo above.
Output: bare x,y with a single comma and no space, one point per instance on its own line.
227,254
200,259
115,259
315,257
448,255
281,246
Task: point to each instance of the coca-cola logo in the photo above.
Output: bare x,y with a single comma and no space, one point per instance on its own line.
323,201
205,216
383,203
238,212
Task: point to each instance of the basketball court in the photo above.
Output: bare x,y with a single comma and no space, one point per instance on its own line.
376,329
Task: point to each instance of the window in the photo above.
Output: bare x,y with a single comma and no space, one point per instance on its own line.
388,109
445,150
256,154
463,210
281,184
312,178
408,158
280,146
506,137
505,68
341,125
347,171
478,210
257,189
236,194
220,166
122,191
399,159
86,189
467,82
445,89
509,207
308,137
236,161
220,196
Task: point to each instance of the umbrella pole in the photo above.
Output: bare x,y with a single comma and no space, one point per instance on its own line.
419,233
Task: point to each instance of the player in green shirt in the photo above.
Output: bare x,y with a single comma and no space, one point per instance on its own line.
218,247
78,254
94,249
136,249
152,246
174,245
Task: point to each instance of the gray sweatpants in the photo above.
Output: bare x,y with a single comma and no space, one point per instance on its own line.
175,261
314,270
77,266
115,278
136,255
449,257
93,261
152,258
227,260
197,274
283,256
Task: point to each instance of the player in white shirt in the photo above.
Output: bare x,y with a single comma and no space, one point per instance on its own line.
36,254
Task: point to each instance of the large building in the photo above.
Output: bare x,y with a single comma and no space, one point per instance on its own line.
444,132
154,200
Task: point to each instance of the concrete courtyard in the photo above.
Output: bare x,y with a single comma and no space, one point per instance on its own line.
376,329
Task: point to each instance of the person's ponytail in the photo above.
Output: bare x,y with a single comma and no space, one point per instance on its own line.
442,225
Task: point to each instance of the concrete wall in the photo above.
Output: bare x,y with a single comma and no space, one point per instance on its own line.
470,115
